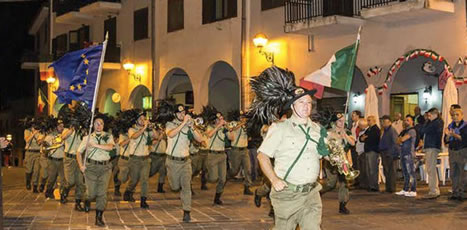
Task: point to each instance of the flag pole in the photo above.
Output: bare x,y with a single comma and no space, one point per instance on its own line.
357,43
96,89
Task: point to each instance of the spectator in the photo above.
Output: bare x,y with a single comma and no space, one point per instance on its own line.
356,115
389,152
432,133
418,114
371,138
407,140
456,138
418,127
397,124
361,159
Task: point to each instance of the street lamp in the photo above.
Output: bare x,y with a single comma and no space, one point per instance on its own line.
129,66
260,41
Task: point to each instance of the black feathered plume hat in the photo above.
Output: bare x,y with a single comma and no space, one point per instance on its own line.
165,111
275,92
210,113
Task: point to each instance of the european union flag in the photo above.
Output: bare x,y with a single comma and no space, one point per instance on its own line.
77,74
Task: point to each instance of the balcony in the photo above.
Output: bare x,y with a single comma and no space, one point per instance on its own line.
407,10
83,11
321,16
342,16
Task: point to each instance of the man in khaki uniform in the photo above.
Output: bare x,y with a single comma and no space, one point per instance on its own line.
123,169
97,167
179,132
217,165
114,159
139,163
73,175
33,139
55,160
158,156
199,157
297,145
239,155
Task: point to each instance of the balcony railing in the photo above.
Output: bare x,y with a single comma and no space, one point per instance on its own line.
64,6
304,10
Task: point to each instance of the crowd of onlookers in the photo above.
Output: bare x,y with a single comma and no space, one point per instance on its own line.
403,143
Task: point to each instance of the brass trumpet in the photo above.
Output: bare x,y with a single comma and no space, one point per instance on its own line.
57,143
199,123
337,157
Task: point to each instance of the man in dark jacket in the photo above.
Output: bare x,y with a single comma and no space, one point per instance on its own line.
371,139
389,152
456,137
432,133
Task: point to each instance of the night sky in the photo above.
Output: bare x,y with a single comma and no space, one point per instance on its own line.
16,18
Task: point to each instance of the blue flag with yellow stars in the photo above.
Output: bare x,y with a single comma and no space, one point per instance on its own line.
77,75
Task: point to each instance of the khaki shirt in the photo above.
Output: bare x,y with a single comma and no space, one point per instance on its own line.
32,144
179,145
159,147
55,153
284,142
72,142
124,149
240,138
216,142
97,154
139,146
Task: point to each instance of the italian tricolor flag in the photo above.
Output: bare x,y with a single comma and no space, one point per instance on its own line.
337,73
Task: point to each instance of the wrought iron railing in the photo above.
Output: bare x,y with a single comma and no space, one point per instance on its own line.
64,6
304,10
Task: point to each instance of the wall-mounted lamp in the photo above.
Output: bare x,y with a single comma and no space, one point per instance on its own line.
260,41
50,81
129,66
357,98
427,93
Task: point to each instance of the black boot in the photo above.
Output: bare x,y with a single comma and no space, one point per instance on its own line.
342,208
160,188
128,196
192,192
217,199
99,221
64,195
143,203
247,191
203,181
271,212
49,193
257,199
42,186
28,181
186,216
78,206
34,189
87,205
117,191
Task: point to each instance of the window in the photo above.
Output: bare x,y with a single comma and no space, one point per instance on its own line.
140,24
78,38
216,10
270,4
147,102
110,25
175,15
59,45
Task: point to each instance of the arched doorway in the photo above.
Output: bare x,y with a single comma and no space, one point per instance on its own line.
140,98
416,83
177,87
224,89
112,102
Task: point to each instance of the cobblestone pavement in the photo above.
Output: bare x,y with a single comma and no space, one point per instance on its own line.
25,210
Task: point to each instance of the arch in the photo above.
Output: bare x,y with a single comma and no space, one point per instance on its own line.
409,81
177,87
140,98
111,107
57,106
224,87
